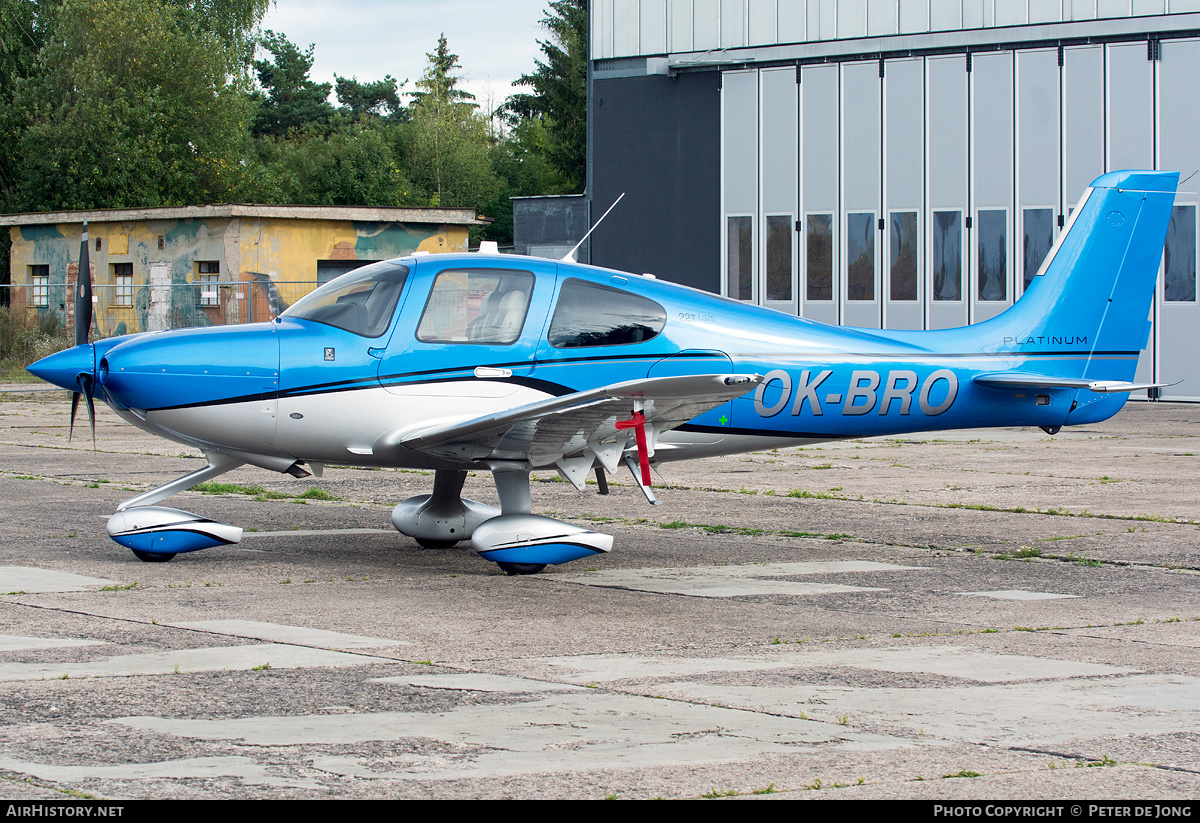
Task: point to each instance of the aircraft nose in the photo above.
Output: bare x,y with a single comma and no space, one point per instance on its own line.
63,368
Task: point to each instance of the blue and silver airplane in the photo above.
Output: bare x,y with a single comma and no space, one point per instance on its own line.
509,364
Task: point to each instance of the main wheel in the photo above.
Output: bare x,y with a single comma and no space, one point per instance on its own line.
152,557
425,543
521,568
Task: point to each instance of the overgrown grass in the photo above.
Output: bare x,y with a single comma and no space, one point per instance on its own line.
25,338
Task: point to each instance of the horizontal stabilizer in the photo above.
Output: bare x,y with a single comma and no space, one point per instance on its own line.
1023,380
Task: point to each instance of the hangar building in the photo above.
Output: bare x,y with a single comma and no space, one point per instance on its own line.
899,164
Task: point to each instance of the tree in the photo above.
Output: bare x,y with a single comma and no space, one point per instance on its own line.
437,84
24,26
380,98
356,164
448,143
559,95
128,105
292,100
520,163
231,21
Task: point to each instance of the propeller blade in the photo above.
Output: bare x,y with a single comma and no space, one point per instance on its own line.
74,409
85,383
83,294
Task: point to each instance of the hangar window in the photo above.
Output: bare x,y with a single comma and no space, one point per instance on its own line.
993,255
947,255
588,314
486,306
208,273
122,274
904,255
39,277
1179,256
1039,237
361,302
739,263
860,255
779,257
818,270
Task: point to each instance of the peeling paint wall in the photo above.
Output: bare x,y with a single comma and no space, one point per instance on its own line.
268,263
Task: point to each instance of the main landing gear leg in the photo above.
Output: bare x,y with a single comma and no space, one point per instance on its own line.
441,519
155,534
520,542
512,485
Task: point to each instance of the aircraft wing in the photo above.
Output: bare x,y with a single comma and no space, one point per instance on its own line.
581,426
1022,380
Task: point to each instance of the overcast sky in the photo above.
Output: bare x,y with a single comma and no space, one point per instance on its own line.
495,40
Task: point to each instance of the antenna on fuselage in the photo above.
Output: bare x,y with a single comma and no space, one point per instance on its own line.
569,257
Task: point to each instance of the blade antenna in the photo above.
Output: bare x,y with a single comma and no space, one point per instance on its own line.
569,257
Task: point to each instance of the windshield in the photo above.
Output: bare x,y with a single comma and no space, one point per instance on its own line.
361,301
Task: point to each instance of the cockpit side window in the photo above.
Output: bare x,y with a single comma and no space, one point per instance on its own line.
486,306
588,314
362,301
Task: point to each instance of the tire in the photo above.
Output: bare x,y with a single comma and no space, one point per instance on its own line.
521,568
152,557
435,544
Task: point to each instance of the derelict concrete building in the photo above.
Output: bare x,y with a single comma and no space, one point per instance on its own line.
889,163
171,267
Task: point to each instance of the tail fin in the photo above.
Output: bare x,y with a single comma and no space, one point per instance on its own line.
1094,289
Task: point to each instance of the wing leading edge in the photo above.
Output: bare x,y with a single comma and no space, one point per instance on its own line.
573,431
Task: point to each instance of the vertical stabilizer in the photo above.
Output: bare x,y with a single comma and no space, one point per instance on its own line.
1092,294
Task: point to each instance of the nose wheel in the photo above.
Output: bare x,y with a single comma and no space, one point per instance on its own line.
513,569
152,557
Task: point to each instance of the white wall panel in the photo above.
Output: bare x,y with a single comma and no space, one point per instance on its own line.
779,175
861,195
947,173
1177,323
763,21
883,17
706,25
820,194
1038,175
733,24
851,18
903,255
991,260
792,18
626,25
653,26
1082,119
679,25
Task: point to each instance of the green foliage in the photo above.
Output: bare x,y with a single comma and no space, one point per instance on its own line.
231,21
127,106
291,100
24,339
437,86
140,103
447,143
522,164
559,95
380,98
24,26
354,164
